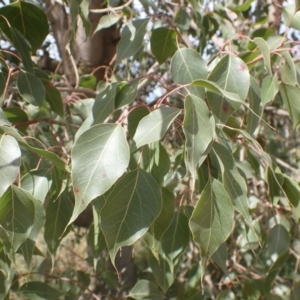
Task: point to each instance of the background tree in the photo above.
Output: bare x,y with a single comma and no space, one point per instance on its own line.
182,141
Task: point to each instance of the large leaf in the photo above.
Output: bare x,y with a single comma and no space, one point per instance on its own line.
278,242
163,43
31,88
234,183
17,215
29,19
154,126
130,208
10,160
290,95
232,75
212,220
132,38
99,157
146,290
187,66
198,131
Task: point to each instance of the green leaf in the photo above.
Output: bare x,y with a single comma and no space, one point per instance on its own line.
182,19
290,17
37,183
232,75
154,126
99,158
163,43
269,89
107,21
212,220
53,97
10,160
187,66
226,295
130,208
233,182
88,81
265,51
245,6
278,242
17,214
39,289
220,257
275,180
146,290
132,38
176,238
290,94
287,69
135,117
104,103
127,94
291,190
29,19
199,132
31,88
254,97
16,115
58,214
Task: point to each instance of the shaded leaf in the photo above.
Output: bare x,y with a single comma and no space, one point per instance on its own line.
154,126
130,208
135,117
265,51
220,257
182,19
53,97
107,21
278,242
146,290
291,190
126,93
16,115
163,43
99,157
287,69
10,160
212,220
269,89
31,88
132,37
198,131
39,289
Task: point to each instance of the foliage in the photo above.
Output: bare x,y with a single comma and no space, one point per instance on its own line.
188,153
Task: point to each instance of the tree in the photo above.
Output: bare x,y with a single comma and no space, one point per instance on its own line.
183,146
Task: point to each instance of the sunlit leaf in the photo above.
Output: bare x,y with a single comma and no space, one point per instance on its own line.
134,119
99,157
269,89
287,69
10,160
265,51
212,220
107,21
154,126
146,290
278,242
290,17
130,208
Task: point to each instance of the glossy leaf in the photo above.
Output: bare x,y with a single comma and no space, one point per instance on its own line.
232,75
187,66
17,214
99,157
163,43
31,88
130,209
212,220
10,160
233,182
39,289
29,19
153,127
53,97
58,214
132,38
289,94
104,103
146,290
198,131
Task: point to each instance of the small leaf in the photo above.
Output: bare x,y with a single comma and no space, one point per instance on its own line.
10,160
278,242
130,208
290,94
16,217
291,190
135,117
146,290
212,220
290,17
39,289
220,257
265,51
16,115
53,97
269,89
198,131
154,126
127,93
287,69
107,21
104,103
99,157
163,43
132,38
31,88
88,81
182,19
